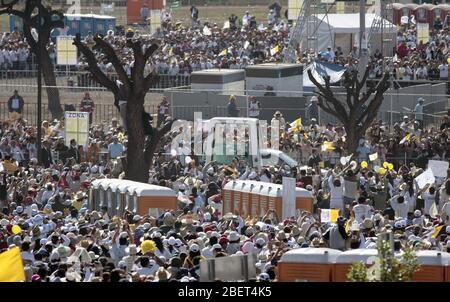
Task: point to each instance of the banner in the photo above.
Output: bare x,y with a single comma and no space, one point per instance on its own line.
66,52
438,167
423,32
77,127
294,7
425,178
288,197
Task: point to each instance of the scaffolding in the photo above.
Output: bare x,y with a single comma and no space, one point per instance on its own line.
303,35
383,24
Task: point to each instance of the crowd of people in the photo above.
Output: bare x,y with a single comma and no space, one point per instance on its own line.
62,239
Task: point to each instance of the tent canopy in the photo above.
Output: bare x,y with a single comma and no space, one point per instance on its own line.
343,30
348,23
319,71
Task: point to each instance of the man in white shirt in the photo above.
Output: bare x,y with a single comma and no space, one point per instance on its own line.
246,19
362,210
148,267
443,71
400,206
254,107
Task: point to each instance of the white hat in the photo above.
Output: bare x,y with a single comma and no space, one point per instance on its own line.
233,236
215,234
4,222
217,246
264,277
207,216
137,218
447,229
19,209
210,171
260,241
146,226
171,241
182,187
194,248
417,213
252,175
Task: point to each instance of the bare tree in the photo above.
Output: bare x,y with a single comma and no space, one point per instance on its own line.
50,19
141,145
356,110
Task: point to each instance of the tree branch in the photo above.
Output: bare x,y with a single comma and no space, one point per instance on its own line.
112,57
156,140
98,74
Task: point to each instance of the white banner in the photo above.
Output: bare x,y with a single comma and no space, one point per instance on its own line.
425,178
439,167
66,52
288,197
77,127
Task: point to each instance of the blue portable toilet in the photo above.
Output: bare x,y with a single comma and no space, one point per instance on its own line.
103,23
15,21
73,22
86,24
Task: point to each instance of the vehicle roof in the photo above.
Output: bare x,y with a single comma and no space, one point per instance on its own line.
311,255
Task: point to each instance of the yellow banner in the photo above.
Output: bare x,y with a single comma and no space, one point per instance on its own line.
11,266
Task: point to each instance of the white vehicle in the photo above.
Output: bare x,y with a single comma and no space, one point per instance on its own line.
244,138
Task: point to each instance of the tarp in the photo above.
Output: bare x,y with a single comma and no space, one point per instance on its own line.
343,30
319,70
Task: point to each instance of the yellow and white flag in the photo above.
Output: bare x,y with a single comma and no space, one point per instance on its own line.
327,146
296,125
405,139
274,50
11,266
223,53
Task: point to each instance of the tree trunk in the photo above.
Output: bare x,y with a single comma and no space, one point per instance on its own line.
137,167
352,138
54,104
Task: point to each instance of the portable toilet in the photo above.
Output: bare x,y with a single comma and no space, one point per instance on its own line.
86,25
433,266
345,260
264,198
255,204
307,264
228,196
304,200
245,201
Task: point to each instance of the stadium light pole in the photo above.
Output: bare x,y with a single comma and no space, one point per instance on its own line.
39,84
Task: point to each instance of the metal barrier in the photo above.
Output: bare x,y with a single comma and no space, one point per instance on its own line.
26,80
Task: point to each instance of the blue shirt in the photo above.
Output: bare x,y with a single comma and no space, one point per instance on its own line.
419,112
115,150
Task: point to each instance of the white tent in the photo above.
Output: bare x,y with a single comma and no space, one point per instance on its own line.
343,30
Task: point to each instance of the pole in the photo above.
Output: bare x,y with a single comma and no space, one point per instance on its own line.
363,60
39,91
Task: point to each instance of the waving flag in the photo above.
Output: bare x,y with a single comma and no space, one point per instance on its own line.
11,266
223,53
274,50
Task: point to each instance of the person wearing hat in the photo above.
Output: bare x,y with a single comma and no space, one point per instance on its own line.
279,120
418,112
336,235
78,200
232,109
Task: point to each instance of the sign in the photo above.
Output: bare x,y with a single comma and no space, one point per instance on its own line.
329,215
66,52
425,178
288,197
155,20
77,127
438,167
373,157
340,7
294,7
423,32
230,268
175,4
404,20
